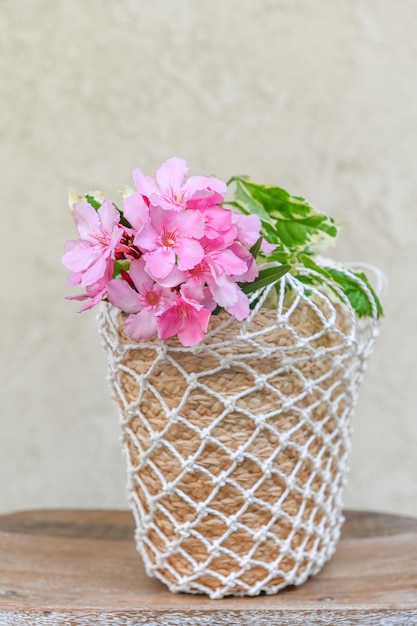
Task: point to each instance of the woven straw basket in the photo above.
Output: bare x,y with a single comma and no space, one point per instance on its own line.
237,447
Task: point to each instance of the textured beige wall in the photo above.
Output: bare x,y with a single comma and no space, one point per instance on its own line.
316,96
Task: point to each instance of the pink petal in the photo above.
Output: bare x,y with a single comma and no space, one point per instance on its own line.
78,296
195,328
143,325
95,272
227,239
115,238
241,309
203,199
70,244
217,221
74,279
248,228
161,218
159,263
189,224
201,192
208,301
205,183
169,322
92,301
251,273
224,290
184,317
144,184
230,263
252,270
160,201
136,210
168,297
86,219
147,238
79,255
170,176
190,253
174,278
139,275
109,216
123,296
267,247
94,289
193,289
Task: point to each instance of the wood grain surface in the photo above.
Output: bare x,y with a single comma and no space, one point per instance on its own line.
76,568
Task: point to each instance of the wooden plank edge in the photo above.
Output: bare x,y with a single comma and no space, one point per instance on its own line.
318,617
119,524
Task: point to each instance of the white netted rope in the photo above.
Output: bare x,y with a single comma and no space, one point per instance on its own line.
237,447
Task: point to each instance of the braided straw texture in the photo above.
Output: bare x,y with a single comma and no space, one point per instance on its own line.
237,447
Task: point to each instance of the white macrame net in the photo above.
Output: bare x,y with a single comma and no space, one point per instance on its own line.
237,447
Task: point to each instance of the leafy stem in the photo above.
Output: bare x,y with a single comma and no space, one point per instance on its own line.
299,231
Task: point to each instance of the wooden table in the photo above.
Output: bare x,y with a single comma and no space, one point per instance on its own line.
80,567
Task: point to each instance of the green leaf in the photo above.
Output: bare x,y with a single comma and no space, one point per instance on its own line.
123,220
299,230
250,203
308,262
351,288
91,200
282,256
288,219
256,248
355,292
120,264
266,277
275,200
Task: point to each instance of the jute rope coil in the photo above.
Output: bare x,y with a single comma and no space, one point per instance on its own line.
237,447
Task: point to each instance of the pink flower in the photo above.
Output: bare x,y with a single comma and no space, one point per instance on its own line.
218,222
249,231
99,233
196,278
169,192
227,266
267,247
229,295
219,270
186,318
251,271
248,228
186,254
171,236
224,259
136,211
94,293
145,299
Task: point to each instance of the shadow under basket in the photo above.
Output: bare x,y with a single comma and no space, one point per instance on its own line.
237,447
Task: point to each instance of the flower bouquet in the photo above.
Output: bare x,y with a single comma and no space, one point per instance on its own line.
235,354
